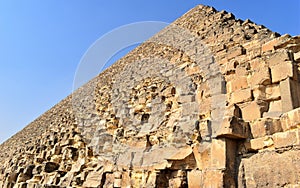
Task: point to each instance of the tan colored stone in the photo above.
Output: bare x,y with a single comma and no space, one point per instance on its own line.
291,119
297,56
272,92
259,92
279,57
261,143
260,77
234,52
275,109
253,110
289,94
195,179
232,128
239,82
282,71
257,64
243,95
93,179
269,46
285,139
265,126
218,148
213,178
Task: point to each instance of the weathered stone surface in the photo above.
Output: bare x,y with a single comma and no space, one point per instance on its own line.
270,169
234,128
195,179
93,179
253,110
285,139
265,126
289,94
183,109
260,77
269,46
282,71
243,95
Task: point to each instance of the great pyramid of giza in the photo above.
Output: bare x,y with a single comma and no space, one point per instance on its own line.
209,101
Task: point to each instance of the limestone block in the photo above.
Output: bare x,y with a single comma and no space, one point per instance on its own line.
242,95
235,51
290,119
282,71
218,157
290,96
259,92
213,178
253,110
186,98
275,109
297,56
272,92
279,57
93,179
239,82
260,77
125,179
202,155
270,169
285,139
265,126
195,179
269,46
260,143
233,127
118,183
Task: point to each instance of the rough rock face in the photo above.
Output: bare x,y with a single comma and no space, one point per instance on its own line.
210,101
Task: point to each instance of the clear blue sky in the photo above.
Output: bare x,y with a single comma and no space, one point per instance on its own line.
42,42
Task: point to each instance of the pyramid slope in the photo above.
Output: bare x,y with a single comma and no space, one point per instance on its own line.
257,79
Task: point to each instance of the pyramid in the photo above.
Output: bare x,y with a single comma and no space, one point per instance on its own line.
209,101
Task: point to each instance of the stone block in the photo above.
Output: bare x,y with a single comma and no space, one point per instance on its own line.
280,56
272,92
194,179
290,95
257,64
233,127
243,95
297,56
235,51
93,179
285,139
275,109
186,98
259,92
265,126
291,119
213,178
218,150
269,46
261,143
253,110
239,82
260,77
117,183
125,179
282,71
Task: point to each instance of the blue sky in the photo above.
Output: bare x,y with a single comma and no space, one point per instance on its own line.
42,42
